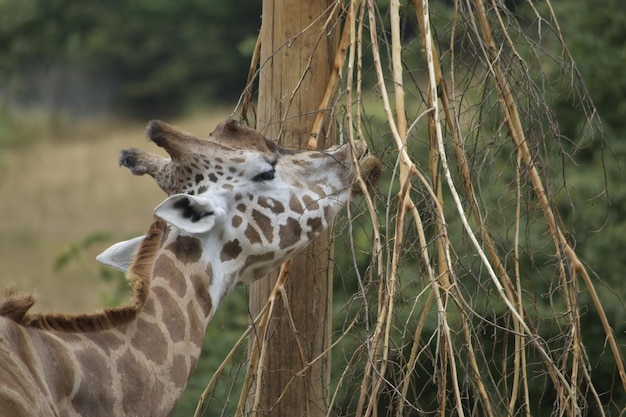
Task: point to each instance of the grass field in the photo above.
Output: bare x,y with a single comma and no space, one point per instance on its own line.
57,193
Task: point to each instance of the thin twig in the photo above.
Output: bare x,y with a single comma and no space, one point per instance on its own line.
252,72
335,75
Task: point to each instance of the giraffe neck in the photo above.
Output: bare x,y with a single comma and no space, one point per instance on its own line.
143,366
165,342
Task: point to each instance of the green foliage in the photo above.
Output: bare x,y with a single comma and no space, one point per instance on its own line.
75,251
75,254
156,56
595,34
594,204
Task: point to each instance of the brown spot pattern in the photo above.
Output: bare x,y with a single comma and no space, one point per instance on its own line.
316,226
309,202
179,372
201,290
295,205
252,235
317,190
230,251
61,369
289,233
173,317
196,326
186,249
166,268
253,260
108,341
97,374
150,340
264,224
149,309
137,391
276,206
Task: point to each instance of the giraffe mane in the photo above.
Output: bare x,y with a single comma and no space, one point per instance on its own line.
14,306
139,275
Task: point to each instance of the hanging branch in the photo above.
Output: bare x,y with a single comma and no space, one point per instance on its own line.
520,368
335,75
509,109
442,258
252,73
258,352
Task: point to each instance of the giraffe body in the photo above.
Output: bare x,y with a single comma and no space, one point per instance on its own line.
238,206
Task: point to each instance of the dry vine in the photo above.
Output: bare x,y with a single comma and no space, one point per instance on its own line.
447,317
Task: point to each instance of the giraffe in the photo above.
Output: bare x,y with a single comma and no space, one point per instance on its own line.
238,206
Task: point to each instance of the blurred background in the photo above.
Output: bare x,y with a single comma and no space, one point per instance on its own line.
80,79
78,82
136,59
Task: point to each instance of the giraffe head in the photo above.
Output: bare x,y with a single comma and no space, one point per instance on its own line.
248,203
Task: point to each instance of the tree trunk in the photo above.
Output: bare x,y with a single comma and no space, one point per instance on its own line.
296,60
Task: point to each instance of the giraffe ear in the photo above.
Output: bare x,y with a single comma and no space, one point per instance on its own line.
191,214
121,255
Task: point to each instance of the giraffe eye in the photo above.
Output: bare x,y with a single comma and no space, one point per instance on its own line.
265,175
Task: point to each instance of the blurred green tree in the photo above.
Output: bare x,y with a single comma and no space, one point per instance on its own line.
596,36
141,57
